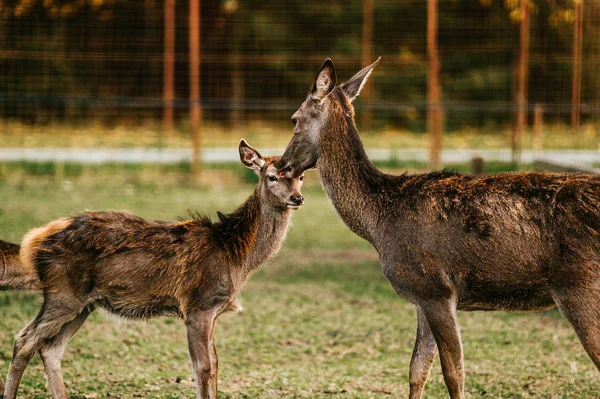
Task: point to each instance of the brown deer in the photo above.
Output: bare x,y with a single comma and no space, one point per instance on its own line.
448,242
193,269
12,275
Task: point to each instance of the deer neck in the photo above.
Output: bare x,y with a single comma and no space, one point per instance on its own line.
252,234
349,177
247,237
271,229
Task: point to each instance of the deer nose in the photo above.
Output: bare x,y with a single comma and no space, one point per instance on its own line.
297,199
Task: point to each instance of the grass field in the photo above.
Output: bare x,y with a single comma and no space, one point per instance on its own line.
320,321
263,134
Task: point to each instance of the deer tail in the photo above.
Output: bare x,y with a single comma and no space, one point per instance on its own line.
13,276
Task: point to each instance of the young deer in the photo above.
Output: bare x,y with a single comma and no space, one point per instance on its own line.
448,242
138,269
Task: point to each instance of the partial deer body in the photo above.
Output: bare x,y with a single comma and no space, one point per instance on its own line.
193,269
13,276
449,242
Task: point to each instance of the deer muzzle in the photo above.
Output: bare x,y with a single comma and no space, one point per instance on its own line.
295,201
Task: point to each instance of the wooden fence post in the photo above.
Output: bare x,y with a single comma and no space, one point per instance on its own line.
434,106
195,109
538,127
366,53
577,45
168,66
522,78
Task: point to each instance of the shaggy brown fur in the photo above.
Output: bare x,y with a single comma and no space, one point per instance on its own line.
449,242
13,275
138,269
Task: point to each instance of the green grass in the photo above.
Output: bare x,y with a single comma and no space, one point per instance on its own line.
222,173
263,134
320,321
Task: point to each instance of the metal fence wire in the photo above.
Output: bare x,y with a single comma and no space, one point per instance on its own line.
114,61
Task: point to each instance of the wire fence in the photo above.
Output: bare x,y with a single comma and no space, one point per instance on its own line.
107,62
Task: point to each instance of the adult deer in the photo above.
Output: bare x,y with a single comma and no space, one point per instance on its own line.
451,242
193,269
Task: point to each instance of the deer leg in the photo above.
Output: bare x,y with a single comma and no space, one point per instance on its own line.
47,324
214,359
582,308
422,357
441,317
199,324
24,348
52,353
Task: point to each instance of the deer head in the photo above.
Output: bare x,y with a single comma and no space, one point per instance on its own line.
311,119
277,190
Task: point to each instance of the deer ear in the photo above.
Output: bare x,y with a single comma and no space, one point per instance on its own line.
250,157
353,87
324,82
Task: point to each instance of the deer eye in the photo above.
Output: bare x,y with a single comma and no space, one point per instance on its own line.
301,177
294,121
272,178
